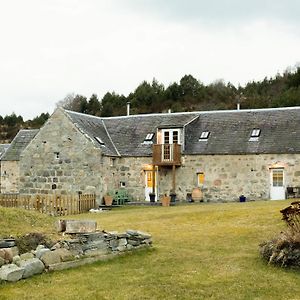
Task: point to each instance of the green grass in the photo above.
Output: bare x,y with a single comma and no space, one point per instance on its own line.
201,251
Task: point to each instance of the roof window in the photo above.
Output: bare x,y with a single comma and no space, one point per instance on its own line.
149,137
99,140
254,135
255,132
204,135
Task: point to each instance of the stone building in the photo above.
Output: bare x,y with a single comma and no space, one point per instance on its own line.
3,148
10,158
226,153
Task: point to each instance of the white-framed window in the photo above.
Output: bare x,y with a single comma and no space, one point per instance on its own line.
255,133
171,136
204,135
148,138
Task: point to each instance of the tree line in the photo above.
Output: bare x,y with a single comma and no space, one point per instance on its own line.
189,94
11,124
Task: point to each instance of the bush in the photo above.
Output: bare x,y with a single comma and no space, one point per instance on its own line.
284,250
30,241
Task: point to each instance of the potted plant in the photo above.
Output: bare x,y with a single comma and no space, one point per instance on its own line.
173,197
108,199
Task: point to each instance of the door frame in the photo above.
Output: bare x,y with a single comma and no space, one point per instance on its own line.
277,192
148,190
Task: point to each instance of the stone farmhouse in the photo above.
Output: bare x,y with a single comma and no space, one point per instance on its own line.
255,153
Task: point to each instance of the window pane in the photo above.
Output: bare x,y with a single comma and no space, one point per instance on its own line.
167,137
277,177
175,137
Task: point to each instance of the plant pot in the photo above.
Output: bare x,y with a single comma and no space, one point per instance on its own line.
242,198
152,197
165,201
173,197
108,200
197,195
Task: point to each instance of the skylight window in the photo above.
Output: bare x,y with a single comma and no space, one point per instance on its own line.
148,138
204,135
255,133
99,140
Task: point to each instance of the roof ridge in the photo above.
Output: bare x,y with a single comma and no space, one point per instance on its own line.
189,112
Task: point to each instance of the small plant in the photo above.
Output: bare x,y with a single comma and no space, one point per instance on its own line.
30,241
291,215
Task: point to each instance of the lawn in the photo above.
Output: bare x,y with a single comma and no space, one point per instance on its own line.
200,251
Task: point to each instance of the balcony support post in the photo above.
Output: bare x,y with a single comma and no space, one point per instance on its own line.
174,178
153,179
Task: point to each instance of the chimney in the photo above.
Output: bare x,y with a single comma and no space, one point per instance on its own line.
128,108
238,106
169,110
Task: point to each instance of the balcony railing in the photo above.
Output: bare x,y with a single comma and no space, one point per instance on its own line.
167,154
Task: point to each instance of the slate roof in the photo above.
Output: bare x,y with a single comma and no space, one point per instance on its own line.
19,143
229,131
93,127
129,133
3,148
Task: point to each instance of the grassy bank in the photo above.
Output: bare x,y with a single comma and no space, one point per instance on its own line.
207,251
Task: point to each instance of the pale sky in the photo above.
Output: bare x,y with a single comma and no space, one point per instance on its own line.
51,48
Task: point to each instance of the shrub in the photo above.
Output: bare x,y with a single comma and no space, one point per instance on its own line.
284,250
30,241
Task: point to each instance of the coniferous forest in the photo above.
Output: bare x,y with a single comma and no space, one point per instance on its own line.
189,94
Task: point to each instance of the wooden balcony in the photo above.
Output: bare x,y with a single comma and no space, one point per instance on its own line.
166,155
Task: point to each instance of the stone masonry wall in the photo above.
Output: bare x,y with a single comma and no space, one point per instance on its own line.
81,167
229,176
62,160
9,177
130,172
73,251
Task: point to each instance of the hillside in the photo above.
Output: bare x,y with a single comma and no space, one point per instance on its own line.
189,94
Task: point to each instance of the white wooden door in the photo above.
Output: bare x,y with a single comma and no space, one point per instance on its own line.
277,188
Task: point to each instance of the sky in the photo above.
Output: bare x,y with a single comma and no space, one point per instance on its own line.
51,48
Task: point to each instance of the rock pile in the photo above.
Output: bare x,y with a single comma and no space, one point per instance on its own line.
74,250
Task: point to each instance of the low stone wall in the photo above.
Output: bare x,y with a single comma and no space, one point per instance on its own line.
78,249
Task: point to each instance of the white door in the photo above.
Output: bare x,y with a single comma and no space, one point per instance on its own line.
149,184
277,189
170,137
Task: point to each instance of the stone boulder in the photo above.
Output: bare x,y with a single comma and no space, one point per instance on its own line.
26,256
31,267
64,254
7,243
11,273
50,258
40,252
7,254
74,226
2,261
